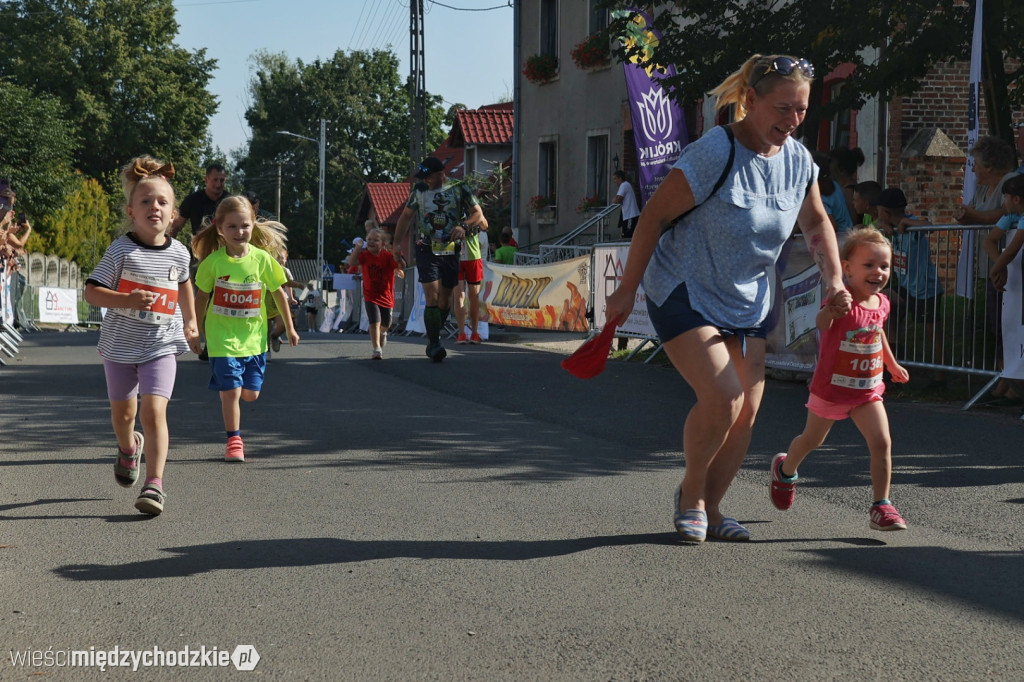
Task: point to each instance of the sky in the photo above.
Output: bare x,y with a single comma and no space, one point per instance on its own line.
468,54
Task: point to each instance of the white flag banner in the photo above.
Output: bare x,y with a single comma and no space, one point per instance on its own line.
58,305
968,245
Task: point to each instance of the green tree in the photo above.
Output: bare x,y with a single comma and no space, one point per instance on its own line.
708,39
366,106
123,83
82,227
36,149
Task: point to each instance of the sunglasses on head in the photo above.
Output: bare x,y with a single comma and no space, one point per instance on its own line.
785,66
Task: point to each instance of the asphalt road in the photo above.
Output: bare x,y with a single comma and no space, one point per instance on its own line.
491,518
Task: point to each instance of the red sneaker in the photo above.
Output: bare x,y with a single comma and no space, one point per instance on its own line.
462,338
235,451
475,338
782,493
885,517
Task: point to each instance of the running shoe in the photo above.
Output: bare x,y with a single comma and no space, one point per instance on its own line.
782,492
439,353
475,339
275,343
462,338
235,451
377,354
885,517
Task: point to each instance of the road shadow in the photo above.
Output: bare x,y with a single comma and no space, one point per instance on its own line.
299,552
988,580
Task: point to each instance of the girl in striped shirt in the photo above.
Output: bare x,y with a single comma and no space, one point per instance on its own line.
142,281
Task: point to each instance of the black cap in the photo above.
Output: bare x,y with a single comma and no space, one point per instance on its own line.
892,197
252,197
429,166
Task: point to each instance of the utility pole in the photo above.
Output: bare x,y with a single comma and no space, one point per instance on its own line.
278,214
417,86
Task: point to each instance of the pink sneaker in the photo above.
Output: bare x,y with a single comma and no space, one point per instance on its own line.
235,451
885,517
782,493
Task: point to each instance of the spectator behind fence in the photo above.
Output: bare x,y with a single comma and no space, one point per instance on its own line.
865,201
916,277
14,234
1006,273
994,162
506,253
832,195
845,162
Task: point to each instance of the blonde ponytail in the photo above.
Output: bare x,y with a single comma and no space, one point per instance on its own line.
733,90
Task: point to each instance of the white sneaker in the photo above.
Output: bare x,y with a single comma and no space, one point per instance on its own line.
378,354
383,340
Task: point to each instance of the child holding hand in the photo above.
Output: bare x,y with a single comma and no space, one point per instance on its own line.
238,278
848,377
379,266
142,280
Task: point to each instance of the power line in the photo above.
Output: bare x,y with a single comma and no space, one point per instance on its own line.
471,9
355,28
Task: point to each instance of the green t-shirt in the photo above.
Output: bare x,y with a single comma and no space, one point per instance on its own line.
236,321
438,211
506,254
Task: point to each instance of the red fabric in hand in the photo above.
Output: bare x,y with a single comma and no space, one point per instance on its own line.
589,359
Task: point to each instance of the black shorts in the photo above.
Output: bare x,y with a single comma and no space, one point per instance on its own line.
377,315
432,268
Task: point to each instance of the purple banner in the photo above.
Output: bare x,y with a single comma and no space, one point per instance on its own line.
659,125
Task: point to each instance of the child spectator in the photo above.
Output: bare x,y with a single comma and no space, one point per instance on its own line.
237,277
379,266
311,304
916,276
506,253
848,377
865,201
142,280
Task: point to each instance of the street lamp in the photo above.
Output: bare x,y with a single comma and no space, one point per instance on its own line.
320,203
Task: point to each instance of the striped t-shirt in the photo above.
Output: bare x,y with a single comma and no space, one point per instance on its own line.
131,336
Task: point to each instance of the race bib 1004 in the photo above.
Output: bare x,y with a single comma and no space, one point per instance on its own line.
162,310
237,299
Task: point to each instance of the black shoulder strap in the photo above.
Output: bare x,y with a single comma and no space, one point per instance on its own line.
721,178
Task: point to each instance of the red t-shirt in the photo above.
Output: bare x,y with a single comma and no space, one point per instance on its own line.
379,277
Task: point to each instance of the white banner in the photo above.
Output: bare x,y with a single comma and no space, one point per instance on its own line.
968,244
550,296
609,263
1013,316
58,305
415,321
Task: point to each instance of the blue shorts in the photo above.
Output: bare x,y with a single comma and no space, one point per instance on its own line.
227,374
432,267
675,317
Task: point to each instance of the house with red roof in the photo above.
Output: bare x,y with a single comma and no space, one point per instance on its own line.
480,140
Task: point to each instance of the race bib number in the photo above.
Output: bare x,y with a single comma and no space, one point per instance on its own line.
237,299
858,365
163,309
442,248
